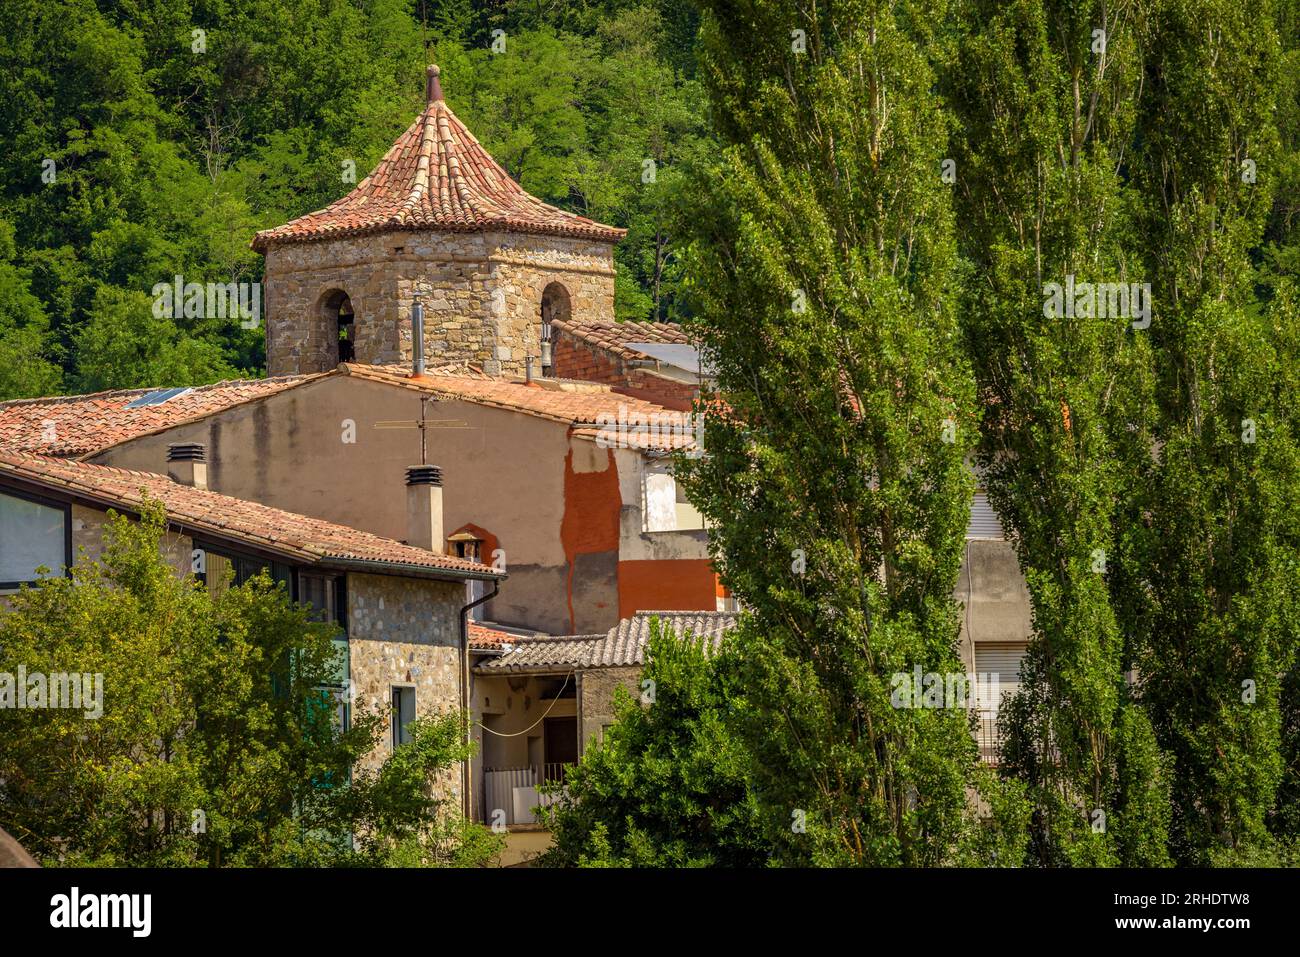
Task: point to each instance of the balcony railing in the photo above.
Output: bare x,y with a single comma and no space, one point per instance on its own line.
553,773
516,792
987,736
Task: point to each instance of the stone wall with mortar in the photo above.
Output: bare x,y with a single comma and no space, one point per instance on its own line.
482,295
596,707
405,631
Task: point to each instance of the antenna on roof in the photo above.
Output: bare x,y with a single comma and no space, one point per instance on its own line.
424,424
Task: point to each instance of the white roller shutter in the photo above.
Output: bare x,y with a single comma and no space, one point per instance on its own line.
983,520
1001,658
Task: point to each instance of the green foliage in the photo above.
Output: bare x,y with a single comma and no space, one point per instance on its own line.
1046,119
822,268
166,161
220,706
1214,594
667,786
25,367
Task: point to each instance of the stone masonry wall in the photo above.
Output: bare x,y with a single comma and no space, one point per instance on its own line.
482,296
404,631
597,710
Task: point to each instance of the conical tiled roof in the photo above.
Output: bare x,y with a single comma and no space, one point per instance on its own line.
436,176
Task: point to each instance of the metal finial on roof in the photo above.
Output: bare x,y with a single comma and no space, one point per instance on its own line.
432,88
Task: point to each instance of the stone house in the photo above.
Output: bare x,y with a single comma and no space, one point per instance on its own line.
401,607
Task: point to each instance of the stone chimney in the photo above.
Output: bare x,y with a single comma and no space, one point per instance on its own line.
187,464
424,508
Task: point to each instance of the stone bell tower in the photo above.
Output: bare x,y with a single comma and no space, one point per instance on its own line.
437,220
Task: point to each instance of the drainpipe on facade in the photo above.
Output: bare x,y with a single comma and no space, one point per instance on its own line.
464,694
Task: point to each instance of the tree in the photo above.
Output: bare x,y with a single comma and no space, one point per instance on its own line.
821,269
667,785
25,345
1213,598
211,735
1044,92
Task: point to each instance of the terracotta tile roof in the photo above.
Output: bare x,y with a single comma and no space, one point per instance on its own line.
574,402
436,176
299,538
615,336
484,637
648,441
560,653
79,424
621,647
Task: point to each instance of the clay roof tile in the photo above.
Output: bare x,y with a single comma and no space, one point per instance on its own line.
436,176
301,537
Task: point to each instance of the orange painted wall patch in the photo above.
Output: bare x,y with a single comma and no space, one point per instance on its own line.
666,585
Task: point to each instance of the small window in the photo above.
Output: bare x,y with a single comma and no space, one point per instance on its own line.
463,545
470,549
321,593
1004,660
403,713
33,535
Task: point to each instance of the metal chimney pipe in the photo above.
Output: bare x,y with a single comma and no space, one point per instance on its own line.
417,338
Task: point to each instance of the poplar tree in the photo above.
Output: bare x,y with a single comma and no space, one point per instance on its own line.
1214,595
835,482
1045,94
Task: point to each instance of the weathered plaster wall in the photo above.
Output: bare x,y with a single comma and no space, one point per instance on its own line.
635,543
680,585
589,534
995,597
504,473
482,294
658,570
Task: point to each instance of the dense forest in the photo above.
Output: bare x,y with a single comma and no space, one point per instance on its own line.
144,140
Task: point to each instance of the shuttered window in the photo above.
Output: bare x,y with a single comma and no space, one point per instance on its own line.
983,520
1001,658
